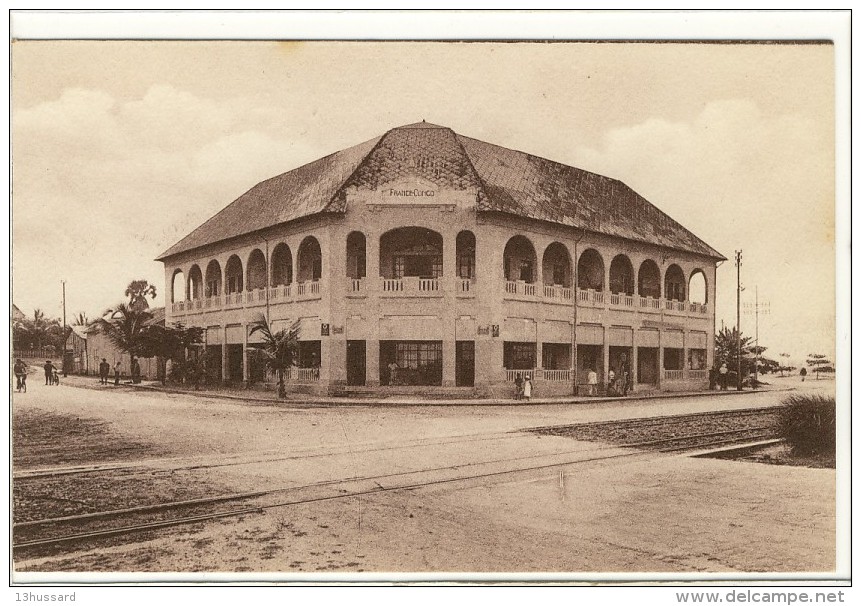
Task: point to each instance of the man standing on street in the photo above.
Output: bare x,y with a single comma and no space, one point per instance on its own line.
117,373
49,372
104,371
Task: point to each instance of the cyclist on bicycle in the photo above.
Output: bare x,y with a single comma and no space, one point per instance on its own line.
21,374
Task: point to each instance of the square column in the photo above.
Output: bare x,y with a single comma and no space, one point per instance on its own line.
224,353
246,375
372,363
448,362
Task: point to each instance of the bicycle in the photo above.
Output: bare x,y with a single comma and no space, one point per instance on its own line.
22,383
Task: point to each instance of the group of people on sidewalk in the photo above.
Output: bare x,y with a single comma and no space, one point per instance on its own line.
522,387
618,383
105,371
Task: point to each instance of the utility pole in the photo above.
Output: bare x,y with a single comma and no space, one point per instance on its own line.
738,319
758,308
65,334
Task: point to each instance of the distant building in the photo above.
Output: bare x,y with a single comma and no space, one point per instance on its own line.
17,314
99,346
75,358
426,258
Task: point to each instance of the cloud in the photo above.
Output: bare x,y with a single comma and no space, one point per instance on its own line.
740,178
113,182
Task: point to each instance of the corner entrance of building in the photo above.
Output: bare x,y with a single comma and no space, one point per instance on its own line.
620,364
647,365
355,362
464,364
410,363
234,363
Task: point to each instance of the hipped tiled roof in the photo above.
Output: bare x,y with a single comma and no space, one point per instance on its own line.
505,180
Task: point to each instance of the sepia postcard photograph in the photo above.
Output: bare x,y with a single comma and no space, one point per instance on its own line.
429,296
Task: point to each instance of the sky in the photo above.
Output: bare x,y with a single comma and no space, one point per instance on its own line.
120,148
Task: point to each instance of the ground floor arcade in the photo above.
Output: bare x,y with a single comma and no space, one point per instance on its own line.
491,364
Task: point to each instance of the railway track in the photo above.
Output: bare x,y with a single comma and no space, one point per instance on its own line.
82,531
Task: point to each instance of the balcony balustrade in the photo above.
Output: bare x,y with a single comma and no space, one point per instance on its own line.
674,375
540,374
554,291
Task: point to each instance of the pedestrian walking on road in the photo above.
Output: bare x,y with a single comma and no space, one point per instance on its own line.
136,371
116,373
104,371
722,376
518,387
803,374
49,372
527,388
592,381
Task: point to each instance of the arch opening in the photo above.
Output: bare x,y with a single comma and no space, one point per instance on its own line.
465,251
556,266
674,283
282,265
697,288
520,261
213,279
411,252
649,280
356,255
233,276
177,286
621,275
256,272
590,270
310,259
195,283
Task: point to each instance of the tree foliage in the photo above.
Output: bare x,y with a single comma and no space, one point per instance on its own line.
124,327
38,333
280,348
819,363
137,291
726,351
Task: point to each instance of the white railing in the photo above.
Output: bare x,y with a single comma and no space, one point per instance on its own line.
212,302
428,284
273,292
178,306
621,299
261,294
286,290
650,303
519,287
393,285
308,289
249,296
234,298
464,285
198,304
356,285
307,375
510,375
674,305
556,375
554,291
698,374
674,375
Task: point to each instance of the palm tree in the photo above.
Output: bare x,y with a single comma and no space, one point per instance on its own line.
280,348
124,327
80,319
137,292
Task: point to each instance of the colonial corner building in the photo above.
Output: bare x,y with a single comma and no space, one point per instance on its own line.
427,258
